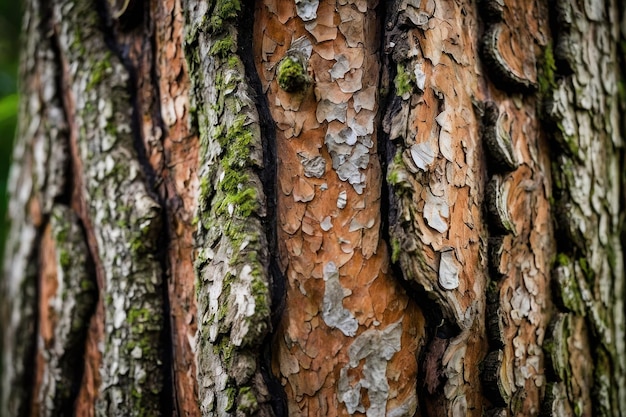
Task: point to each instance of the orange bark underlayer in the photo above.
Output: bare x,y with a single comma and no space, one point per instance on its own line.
48,283
310,354
177,162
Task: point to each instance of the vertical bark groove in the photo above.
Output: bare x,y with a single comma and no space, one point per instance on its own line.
269,178
125,225
68,297
173,152
131,36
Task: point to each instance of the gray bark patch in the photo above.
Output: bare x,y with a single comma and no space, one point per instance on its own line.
377,347
334,314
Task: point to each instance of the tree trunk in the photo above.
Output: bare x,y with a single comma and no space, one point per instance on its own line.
277,208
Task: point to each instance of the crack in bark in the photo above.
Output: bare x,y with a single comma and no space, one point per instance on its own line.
269,178
112,28
65,198
268,173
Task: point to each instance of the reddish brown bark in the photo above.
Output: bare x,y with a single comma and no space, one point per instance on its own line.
47,288
180,188
322,243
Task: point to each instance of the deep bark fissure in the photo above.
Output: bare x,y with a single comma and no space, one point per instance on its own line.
74,371
268,176
110,34
389,214
72,188
169,399
130,23
70,197
70,368
68,360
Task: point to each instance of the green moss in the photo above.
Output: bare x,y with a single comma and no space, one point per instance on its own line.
567,291
397,158
222,312
138,315
223,47
292,76
587,270
111,130
223,10
393,177
578,409
243,203
224,348
395,250
144,326
233,61
562,259
569,142
64,259
99,70
261,300
230,393
247,402
61,234
611,256
236,192
137,246
403,81
556,348
547,75
238,144
86,285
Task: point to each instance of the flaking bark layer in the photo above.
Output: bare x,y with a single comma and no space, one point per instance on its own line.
348,340
582,113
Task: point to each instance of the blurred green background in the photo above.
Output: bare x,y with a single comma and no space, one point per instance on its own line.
10,12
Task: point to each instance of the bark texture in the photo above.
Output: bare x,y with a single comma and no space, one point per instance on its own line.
232,262
582,109
317,207
348,339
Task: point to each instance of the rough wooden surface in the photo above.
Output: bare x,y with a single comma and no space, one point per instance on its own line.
178,168
439,186
588,367
435,174
349,335
232,260
121,211
37,178
68,293
517,205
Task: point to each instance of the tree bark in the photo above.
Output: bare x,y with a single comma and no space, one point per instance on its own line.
272,208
